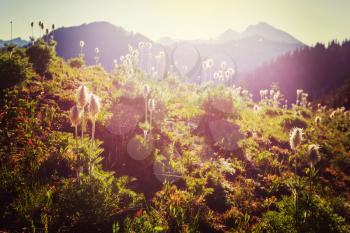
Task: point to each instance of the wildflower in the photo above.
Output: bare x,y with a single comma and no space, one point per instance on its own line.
210,63
299,91
332,115
94,105
205,65
82,96
263,93
223,65
30,142
94,108
130,48
75,116
318,120
151,105
256,108
346,113
141,45
313,153
295,138
82,100
146,91
227,74
231,71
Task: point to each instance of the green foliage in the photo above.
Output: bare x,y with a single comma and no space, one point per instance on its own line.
40,55
314,215
76,62
13,69
191,182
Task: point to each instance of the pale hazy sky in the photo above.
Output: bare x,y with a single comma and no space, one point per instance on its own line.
308,20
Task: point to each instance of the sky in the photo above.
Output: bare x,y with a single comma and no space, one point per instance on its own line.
310,21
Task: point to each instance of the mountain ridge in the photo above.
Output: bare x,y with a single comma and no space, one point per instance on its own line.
113,43
17,41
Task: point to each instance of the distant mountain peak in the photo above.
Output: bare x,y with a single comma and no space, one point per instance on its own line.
269,32
17,41
261,30
261,25
228,35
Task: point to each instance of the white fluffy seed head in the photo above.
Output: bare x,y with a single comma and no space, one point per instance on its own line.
82,43
346,113
295,138
205,65
313,153
94,105
232,71
299,91
75,115
82,96
210,63
227,74
146,91
318,120
332,115
151,105
256,108
223,65
97,50
141,45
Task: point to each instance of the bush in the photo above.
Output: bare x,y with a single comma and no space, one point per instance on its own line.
13,70
40,55
314,215
76,62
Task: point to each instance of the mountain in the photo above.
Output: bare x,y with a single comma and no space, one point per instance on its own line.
246,50
17,41
323,71
111,40
228,35
262,30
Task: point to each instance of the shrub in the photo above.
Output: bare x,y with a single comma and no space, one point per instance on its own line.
291,122
76,62
314,215
13,70
40,55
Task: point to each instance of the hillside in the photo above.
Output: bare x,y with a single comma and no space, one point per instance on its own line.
322,71
168,156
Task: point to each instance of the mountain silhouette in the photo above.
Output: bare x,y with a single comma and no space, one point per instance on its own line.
247,51
261,30
111,40
16,41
